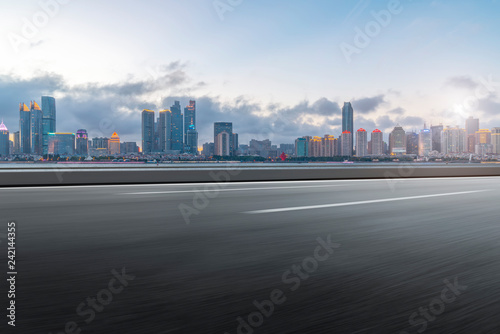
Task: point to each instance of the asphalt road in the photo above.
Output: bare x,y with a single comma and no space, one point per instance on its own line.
367,256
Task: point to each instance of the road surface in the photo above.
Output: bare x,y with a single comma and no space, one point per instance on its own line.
365,256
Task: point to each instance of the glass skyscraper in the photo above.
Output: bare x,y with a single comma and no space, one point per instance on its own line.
164,130
148,131
4,140
189,119
61,144
347,118
49,119
177,127
24,129
36,128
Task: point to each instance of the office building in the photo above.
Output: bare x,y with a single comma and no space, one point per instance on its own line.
436,137
208,149
495,140
397,141
346,138
361,143
301,147
61,144
192,140
4,141
48,121
36,128
454,140
82,142
177,129
347,123
483,142
114,145
223,144
377,140
424,142
164,131
471,126
412,143
148,123
24,129
189,119
220,127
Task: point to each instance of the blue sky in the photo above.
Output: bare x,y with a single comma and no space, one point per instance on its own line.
274,68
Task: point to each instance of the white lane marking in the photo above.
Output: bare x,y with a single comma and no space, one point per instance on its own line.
251,182
237,189
297,208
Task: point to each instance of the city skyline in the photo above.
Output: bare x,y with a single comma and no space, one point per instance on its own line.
275,93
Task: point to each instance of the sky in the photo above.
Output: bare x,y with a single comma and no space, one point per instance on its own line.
277,69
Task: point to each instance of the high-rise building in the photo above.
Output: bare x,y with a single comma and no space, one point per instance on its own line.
346,138
315,147
114,145
49,120
24,129
61,144
192,140
301,147
36,128
223,127
223,144
471,126
453,140
148,123
377,140
17,143
4,140
208,149
495,140
361,143
412,143
329,146
397,141
82,142
189,119
483,142
164,130
436,137
424,142
347,122
177,128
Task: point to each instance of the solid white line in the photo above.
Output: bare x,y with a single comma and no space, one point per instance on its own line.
237,189
297,208
243,183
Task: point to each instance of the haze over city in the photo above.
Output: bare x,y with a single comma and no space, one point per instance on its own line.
279,78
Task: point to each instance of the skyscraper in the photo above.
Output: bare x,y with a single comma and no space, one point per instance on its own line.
348,122
220,127
454,140
49,120
424,142
361,143
471,126
301,147
346,150
329,146
483,142
114,145
4,140
148,123
82,142
192,140
495,140
412,143
36,128
377,142
164,129
24,129
177,127
436,137
397,141
189,119
223,144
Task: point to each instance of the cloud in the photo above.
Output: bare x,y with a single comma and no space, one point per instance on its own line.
463,82
368,104
397,111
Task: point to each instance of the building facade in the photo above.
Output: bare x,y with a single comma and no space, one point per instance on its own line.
148,123
4,141
361,143
189,119
424,142
397,141
82,142
62,144
377,140
24,129
49,120
114,145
